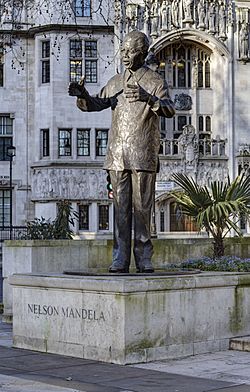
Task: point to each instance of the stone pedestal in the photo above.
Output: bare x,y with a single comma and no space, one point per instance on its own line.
130,319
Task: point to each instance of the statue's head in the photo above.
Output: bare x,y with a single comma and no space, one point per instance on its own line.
134,50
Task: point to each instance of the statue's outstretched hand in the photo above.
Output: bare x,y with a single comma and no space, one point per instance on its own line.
77,89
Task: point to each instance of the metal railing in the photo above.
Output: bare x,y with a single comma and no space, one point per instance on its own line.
14,232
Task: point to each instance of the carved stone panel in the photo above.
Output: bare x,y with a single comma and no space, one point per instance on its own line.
72,184
212,171
206,171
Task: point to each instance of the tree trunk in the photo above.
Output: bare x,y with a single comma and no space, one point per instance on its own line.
219,248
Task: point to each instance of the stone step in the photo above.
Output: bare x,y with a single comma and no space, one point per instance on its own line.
240,344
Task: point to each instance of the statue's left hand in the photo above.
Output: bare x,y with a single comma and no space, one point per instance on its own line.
136,93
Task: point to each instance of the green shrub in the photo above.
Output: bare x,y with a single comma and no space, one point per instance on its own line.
42,229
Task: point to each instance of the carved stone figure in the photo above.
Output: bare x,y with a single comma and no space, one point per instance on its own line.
222,22
182,102
165,16
154,19
201,15
188,8
188,144
244,41
175,14
146,16
137,97
53,186
212,17
131,15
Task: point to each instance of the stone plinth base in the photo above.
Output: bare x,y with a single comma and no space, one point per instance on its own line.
130,319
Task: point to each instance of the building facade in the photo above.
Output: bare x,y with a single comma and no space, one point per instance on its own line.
203,50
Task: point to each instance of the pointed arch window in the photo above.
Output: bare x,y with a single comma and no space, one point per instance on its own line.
181,62
205,130
203,69
208,124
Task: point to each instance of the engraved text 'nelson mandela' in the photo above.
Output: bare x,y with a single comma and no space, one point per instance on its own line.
68,312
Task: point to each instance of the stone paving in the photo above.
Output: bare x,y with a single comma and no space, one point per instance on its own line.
28,371
229,366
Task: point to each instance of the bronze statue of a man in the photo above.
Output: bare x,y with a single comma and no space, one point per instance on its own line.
137,97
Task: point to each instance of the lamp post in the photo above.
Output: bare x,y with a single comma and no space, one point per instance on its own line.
11,152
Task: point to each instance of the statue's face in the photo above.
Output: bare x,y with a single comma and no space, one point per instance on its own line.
132,56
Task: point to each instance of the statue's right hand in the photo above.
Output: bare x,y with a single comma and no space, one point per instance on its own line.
75,89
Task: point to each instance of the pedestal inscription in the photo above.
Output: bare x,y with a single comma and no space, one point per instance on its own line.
60,311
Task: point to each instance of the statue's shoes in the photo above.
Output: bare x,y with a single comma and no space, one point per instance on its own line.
145,270
118,270
145,267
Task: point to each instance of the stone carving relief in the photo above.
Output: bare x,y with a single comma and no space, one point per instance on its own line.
188,145
154,19
244,42
182,102
73,184
243,34
222,22
212,16
175,14
158,17
212,171
188,11
131,16
168,168
165,13
206,171
201,11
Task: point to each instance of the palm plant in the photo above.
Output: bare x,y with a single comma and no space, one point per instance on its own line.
217,208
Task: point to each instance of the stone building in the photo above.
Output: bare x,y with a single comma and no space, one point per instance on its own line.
203,50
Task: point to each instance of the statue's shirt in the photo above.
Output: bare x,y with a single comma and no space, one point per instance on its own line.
134,137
